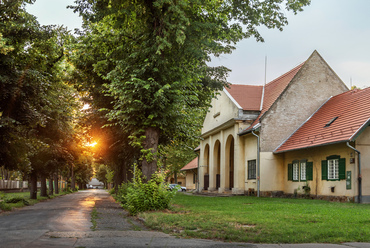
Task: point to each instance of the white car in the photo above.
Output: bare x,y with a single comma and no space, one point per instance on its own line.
179,187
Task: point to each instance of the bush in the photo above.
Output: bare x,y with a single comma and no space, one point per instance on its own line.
4,206
139,196
17,199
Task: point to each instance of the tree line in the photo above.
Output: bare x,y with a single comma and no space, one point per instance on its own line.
142,66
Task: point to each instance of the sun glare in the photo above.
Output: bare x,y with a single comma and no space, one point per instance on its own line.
92,144
86,106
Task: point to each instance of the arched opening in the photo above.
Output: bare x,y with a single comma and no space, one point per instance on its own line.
217,162
206,167
229,163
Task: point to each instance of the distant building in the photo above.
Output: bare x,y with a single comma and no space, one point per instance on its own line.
95,184
191,171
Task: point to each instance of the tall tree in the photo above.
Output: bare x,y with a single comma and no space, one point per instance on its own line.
156,54
36,105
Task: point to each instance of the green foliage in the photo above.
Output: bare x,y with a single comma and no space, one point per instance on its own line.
138,196
145,63
16,200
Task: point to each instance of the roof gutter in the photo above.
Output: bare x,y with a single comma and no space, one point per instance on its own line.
359,173
254,128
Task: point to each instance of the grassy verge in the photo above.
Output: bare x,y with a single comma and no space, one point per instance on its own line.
23,199
94,217
263,220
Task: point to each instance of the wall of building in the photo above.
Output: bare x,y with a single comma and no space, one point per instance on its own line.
310,88
222,110
363,145
190,185
250,153
272,172
318,186
223,137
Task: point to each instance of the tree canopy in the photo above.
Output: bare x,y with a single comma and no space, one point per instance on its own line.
153,54
38,106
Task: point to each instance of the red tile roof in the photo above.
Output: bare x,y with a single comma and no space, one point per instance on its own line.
247,96
353,111
191,165
273,90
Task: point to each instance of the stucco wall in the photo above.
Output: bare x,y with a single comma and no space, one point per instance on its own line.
308,90
318,186
222,110
189,180
250,153
363,145
271,172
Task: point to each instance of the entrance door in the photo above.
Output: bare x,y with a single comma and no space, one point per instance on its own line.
206,182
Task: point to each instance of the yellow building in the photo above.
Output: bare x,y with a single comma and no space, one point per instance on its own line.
253,139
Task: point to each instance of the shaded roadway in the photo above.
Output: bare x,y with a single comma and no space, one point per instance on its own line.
66,222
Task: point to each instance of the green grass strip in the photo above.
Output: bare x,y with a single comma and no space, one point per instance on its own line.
263,220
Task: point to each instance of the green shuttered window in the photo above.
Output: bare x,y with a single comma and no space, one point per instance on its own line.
300,171
333,168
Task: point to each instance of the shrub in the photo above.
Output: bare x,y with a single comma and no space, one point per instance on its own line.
138,196
17,199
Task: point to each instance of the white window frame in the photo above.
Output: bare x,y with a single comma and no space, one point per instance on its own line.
295,171
333,169
303,167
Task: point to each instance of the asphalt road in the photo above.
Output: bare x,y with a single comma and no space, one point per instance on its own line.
66,222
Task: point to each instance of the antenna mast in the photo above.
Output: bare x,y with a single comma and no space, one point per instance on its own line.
264,84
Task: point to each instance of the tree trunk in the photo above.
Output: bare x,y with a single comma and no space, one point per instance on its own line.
73,180
51,186
175,176
118,177
149,167
33,185
56,183
43,191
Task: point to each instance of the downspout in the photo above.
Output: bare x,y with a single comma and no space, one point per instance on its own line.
198,173
258,163
359,173
198,155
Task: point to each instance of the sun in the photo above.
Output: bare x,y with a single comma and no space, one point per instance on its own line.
92,144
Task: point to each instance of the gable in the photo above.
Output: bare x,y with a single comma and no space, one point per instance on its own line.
222,109
312,85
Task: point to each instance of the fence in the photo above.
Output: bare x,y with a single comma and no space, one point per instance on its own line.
12,184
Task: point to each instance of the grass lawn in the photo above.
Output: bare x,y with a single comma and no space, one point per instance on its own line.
26,196
263,220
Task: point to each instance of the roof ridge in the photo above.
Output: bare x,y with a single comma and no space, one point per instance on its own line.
285,74
254,85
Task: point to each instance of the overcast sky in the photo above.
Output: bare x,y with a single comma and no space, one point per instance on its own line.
338,29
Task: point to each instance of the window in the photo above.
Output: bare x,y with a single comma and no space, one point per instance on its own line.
295,171
251,169
333,168
303,171
331,121
300,170
194,178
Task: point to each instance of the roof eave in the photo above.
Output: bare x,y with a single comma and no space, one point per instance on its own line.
360,130
232,99
307,147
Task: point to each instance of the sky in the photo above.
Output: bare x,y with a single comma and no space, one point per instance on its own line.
338,29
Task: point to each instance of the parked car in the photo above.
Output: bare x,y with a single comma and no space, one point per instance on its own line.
177,186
